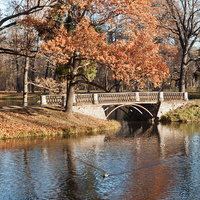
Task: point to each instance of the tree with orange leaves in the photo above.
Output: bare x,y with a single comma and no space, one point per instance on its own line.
76,39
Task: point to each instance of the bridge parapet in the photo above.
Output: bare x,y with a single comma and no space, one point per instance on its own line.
109,98
115,98
84,98
172,96
51,99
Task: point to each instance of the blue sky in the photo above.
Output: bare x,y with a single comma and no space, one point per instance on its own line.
2,4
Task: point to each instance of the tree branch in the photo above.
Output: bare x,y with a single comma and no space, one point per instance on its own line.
7,26
40,86
34,9
13,52
193,60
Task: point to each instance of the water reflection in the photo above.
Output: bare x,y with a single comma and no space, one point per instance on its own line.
144,161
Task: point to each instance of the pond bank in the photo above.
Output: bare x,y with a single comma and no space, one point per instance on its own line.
187,113
47,121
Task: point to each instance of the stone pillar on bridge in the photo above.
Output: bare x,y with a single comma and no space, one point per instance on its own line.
185,96
95,98
74,99
137,97
43,100
161,97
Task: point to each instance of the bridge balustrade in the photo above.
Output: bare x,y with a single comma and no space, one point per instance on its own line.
172,96
83,99
115,98
54,99
148,96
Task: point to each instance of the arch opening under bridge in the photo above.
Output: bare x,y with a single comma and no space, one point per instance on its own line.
139,108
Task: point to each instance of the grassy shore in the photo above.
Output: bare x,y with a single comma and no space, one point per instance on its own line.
40,121
187,113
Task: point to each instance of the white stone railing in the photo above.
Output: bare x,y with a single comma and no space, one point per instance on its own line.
115,98
51,99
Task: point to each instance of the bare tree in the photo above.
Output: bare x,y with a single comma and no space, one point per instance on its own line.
21,9
13,18
182,18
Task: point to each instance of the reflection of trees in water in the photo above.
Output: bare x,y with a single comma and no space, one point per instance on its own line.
63,169
65,174
142,129
69,186
79,178
138,129
28,175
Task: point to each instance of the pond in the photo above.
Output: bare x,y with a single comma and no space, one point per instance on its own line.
15,103
18,101
144,161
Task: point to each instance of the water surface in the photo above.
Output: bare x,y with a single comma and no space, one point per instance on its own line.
143,161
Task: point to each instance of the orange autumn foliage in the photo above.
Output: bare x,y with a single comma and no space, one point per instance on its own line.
133,57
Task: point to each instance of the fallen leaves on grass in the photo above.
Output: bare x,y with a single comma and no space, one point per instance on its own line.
24,122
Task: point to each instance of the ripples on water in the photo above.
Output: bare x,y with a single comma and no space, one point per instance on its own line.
143,162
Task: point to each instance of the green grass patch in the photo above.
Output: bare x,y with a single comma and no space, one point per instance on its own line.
187,113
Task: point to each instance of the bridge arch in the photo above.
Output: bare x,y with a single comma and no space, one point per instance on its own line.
133,106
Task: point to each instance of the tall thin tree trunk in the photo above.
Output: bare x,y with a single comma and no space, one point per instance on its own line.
33,78
25,90
106,78
26,69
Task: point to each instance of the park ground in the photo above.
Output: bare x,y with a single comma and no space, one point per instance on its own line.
18,122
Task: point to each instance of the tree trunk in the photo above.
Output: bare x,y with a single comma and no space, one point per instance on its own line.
69,98
33,79
25,90
183,74
18,83
117,86
106,78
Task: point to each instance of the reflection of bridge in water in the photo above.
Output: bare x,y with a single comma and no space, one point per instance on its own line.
102,105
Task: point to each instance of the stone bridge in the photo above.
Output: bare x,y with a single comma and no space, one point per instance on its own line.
147,105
